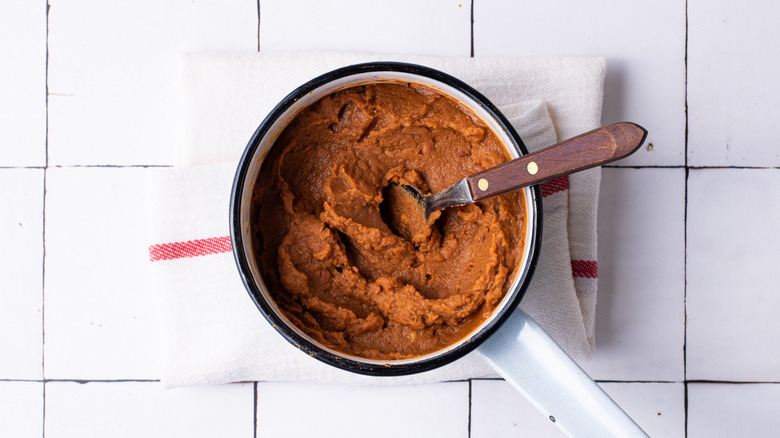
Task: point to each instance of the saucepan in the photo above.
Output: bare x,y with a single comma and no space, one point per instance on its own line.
509,340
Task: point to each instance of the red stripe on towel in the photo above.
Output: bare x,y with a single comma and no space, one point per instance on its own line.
585,268
554,186
190,248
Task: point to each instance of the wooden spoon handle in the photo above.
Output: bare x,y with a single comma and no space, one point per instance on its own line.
591,149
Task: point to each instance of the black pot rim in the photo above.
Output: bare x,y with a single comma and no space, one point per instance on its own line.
305,345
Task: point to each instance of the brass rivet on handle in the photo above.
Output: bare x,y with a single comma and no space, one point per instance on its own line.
532,168
483,184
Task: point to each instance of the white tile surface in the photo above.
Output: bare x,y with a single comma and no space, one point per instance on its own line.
113,78
645,48
732,83
640,313
23,83
733,261
296,410
727,410
114,73
144,409
21,409
21,268
436,27
498,410
100,312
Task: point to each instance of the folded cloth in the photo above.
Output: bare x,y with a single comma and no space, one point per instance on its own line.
211,331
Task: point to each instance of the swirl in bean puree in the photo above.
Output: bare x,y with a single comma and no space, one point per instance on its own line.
363,274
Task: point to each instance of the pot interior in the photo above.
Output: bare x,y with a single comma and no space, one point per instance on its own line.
250,167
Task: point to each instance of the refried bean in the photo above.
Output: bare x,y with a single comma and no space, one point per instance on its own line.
355,266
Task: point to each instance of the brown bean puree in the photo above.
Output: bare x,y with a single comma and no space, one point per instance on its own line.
363,274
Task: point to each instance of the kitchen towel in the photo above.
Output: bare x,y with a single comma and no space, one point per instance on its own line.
211,331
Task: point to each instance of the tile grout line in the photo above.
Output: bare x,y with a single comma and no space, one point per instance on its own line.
43,229
255,411
685,234
472,28
685,305
258,25
732,382
468,427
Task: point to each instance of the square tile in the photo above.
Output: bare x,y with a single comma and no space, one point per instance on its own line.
144,409
101,316
21,409
114,73
733,264
21,273
640,317
732,83
23,84
498,410
436,27
644,44
731,410
297,410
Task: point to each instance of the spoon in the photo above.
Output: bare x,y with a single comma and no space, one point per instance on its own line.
594,148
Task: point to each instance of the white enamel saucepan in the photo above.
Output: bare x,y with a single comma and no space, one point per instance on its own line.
509,340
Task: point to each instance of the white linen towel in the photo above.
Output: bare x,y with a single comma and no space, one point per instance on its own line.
211,331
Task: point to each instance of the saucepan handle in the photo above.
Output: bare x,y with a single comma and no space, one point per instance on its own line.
535,365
